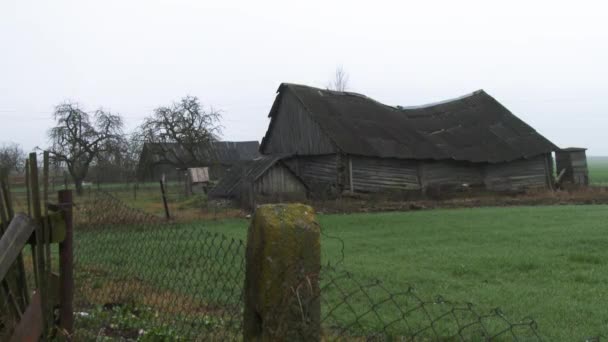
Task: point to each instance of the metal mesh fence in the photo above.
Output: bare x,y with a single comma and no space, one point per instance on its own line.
140,276
137,275
367,309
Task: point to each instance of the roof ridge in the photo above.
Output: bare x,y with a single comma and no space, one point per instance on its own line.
335,92
398,107
454,99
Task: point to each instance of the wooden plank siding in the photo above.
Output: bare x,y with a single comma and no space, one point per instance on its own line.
368,174
295,132
320,173
580,172
378,174
451,173
575,164
279,180
517,175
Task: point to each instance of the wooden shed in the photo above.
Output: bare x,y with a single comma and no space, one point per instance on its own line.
343,141
571,164
265,179
197,180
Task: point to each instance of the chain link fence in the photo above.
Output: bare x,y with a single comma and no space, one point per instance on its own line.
138,277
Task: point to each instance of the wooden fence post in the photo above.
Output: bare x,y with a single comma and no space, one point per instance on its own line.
283,261
66,264
163,192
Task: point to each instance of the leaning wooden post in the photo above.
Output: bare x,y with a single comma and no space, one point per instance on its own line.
162,190
66,264
281,279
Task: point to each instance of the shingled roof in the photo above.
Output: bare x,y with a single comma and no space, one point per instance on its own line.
474,128
222,152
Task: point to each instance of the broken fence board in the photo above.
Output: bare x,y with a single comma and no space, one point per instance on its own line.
13,240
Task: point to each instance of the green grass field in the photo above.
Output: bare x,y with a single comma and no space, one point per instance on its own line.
598,170
550,263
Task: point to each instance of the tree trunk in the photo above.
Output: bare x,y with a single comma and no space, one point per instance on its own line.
78,185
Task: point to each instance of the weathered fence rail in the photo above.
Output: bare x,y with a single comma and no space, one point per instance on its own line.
14,240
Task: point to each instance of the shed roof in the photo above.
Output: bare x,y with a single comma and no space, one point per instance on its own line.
246,171
198,174
573,149
473,127
223,152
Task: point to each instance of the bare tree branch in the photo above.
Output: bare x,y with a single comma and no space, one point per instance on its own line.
181,131
340,81
12,158
77,140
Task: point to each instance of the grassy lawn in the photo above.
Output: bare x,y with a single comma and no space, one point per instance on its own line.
550,263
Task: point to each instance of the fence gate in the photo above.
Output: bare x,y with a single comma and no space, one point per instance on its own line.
36,280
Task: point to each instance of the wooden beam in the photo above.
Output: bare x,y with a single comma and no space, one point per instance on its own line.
350,173
39,257
30,325
13,240
66,265
162,191
21,278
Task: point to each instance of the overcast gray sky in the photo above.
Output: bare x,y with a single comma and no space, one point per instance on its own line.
544,60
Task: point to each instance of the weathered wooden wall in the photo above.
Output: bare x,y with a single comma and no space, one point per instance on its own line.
377,174
155,172
295,132
367,174
279,180
320,173
575,164
450,173
517,175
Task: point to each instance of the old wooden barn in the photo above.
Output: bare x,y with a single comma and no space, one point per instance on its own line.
342,141
172,159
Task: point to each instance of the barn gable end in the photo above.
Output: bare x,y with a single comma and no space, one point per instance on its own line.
292,129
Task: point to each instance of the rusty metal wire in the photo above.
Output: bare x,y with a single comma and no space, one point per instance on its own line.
138,275
364,308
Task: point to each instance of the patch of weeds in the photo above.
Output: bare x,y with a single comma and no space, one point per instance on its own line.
585,259
129,322
124,322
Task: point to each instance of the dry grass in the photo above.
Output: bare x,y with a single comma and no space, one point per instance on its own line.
371,203
98,288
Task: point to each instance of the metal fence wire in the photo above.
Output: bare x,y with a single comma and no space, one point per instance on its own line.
140,277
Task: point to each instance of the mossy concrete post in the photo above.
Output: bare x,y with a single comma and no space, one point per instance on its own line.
282,300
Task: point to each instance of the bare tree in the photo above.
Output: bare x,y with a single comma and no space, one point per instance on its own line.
12,158
131,155
181,131
79,139
340,81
